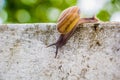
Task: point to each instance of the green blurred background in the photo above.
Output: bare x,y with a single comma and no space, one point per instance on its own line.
36,11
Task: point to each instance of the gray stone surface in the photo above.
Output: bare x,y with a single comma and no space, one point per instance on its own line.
92,53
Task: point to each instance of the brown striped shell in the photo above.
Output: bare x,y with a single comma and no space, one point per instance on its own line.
68,19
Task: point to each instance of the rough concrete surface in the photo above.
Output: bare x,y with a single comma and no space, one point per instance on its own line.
92,53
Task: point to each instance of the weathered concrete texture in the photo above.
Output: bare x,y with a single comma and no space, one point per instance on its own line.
93,53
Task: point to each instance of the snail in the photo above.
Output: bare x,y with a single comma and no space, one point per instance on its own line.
67,23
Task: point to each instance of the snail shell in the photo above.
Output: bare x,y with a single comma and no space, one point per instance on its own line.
68,19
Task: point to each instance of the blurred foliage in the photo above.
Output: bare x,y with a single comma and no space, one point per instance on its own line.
30,11
103,15
110,8
35,10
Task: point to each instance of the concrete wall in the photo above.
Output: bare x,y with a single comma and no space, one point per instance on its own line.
92,53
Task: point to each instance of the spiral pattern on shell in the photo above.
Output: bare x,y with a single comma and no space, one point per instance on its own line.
68,19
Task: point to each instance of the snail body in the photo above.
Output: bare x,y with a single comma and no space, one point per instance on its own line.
67,23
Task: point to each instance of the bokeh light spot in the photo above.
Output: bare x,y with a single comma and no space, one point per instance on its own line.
2,3
40,13
115,17
53,14
3,15
91,7
103,15
23,15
